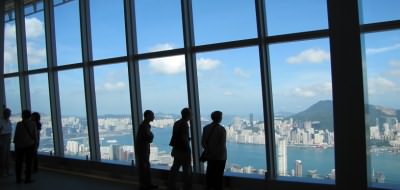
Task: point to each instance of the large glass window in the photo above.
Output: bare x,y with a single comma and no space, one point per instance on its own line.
68,33
379,11
73,114
159,25
382,61
40,102
13,100
230,81
163,90
223,20
303,113
114,115
35,36
108,28
10,47
286,16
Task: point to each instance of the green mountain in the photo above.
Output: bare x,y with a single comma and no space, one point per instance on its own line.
322,111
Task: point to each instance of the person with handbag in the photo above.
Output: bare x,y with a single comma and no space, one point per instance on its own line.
5,141
215,153
25,140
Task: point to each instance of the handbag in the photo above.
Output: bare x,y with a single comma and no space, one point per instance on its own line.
203,156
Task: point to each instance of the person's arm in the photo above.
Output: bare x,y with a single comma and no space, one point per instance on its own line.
203,139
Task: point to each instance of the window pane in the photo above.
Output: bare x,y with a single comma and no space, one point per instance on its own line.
68,33
13,101
10,48
230,81
108,28
382,52
35,41
303,113
287,16
114,115
223,20
159,25
379,11
73,114
163,88
40,102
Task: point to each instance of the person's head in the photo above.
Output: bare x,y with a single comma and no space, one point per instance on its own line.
35,117
6,113
186,114
216,116
26,114
148,115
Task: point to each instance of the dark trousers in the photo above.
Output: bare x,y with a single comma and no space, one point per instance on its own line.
24,155
215,174
181,159
35,163
143,165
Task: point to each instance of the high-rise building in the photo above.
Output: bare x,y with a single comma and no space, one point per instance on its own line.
298,171
282,156
73,147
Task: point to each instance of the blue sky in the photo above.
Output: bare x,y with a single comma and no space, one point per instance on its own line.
229,80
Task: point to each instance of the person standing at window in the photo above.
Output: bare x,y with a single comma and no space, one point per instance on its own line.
36,119
25,140
5,142
180,142
214,143
142,149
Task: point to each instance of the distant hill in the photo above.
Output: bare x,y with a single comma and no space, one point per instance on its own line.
323,111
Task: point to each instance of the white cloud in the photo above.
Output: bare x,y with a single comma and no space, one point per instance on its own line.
394,63
383,49
176,64
168,65
35,55
241,73
228,93
34,28
381,85
320,89
162,47
309,55
109,86
303,92
9,32
207,64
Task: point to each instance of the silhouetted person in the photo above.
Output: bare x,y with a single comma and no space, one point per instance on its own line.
36,119
142,151
25,140
181,151
5,142
214,142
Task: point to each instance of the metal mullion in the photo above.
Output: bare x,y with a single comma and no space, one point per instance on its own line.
381,26
88,76
22,55
309,35
348,94
53,78
159,54
268,113
226,45
2,28
133,66
192,87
